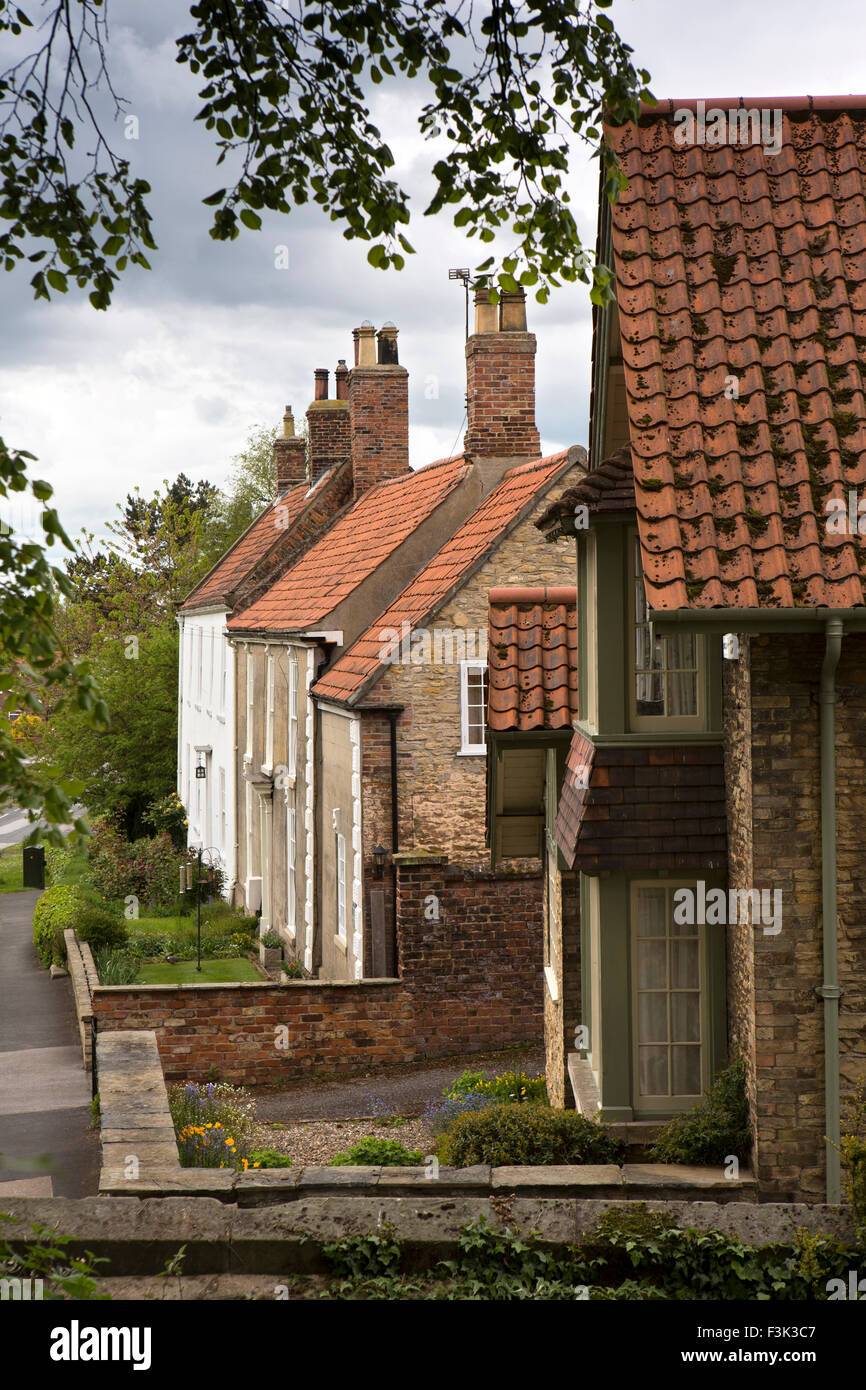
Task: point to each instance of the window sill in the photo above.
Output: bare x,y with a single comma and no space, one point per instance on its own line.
472,752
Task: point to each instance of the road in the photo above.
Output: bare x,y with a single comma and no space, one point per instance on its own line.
15,826
44,1089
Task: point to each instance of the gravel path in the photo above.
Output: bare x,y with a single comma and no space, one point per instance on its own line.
402,1090
318,1141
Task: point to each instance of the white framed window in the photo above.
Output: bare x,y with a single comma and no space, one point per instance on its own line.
211,638
224,672
198,664
250,705
291,884
292,759
270,685
473,706
222,807
341,886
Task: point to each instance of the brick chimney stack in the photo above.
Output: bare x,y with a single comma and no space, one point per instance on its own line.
500,382
328,424
378,408
290,455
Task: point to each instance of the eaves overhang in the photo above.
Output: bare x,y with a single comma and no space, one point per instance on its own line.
748,620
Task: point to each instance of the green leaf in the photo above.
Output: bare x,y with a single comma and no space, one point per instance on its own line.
250,219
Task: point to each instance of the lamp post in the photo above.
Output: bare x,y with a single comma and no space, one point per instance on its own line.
213,859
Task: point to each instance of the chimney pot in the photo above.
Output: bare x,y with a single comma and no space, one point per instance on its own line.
365,345
486,314
341,380
321,379
387,345
512,311
288,423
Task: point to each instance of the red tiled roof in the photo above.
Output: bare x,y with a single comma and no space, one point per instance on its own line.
501,508
248,548
532,658
735,263
351,550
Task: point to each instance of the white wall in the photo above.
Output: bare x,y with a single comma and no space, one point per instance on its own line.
206,719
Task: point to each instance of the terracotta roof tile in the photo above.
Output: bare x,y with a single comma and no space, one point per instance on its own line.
258,538
361,663
743,271
351,550
532,659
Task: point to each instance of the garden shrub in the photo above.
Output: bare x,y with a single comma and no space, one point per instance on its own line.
146,868
515,1086
713,1130
506,1134
268,1158
55,913
100,927
472,1090
374,1152
116,967
853,1151
271,941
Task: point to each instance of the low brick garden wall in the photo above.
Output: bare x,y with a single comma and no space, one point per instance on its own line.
470,981
258,1032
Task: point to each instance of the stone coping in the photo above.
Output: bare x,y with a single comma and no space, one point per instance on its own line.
273,1186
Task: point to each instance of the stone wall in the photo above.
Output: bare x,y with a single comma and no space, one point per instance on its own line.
778,750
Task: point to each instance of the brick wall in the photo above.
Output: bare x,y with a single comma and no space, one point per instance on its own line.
330,1027
328,437
475,974
500,384
379,411
470,981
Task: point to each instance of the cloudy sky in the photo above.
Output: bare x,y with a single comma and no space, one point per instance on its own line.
215,340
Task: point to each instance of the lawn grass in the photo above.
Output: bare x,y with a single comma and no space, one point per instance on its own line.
12,870
185,973
176,926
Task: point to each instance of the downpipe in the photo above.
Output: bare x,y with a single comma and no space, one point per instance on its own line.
829,991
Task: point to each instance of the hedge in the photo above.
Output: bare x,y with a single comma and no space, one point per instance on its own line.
56,912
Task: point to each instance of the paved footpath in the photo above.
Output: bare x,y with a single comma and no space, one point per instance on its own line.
44,1089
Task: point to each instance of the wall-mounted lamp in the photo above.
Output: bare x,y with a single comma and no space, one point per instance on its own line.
380,854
